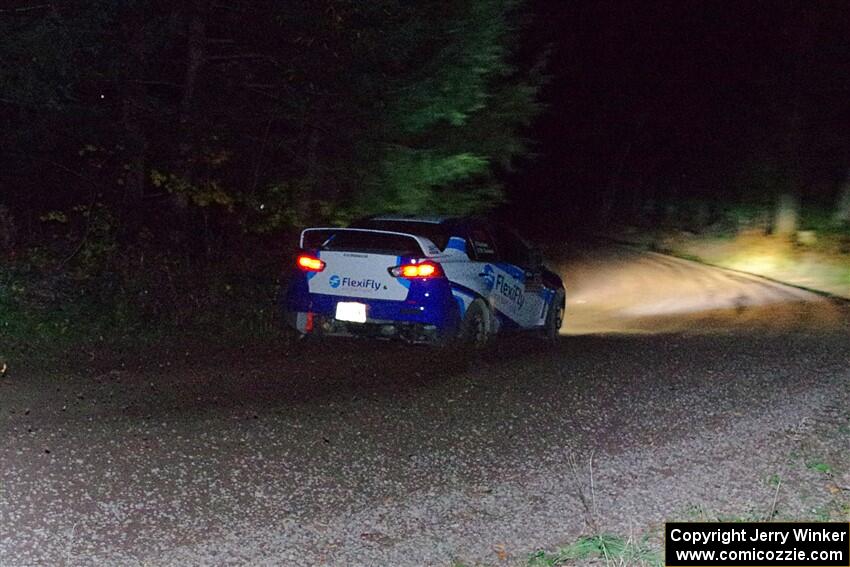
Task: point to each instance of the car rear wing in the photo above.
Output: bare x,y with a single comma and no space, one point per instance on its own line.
316,237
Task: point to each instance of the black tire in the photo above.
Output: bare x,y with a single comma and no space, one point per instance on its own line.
477,326
554,316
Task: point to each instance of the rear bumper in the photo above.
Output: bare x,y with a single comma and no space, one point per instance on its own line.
429,313
318,324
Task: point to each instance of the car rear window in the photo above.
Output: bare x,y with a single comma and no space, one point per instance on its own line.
374,242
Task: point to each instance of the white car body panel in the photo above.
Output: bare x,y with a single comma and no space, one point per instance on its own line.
355,274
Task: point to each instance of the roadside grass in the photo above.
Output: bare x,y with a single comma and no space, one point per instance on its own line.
834,510
613,550
602,549
605,547
739,238
818,466
42,325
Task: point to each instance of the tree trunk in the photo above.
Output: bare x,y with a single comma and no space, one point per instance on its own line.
133,103
134,188
612,192
312,176
786,216
195,55
8,232
842,206
194,58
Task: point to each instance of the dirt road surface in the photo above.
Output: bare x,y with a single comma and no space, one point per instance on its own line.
687,391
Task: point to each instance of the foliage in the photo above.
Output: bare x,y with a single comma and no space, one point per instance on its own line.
457,115
360,106
156,146
46,310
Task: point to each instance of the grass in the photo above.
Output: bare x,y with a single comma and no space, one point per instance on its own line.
818,466
820,261
611,549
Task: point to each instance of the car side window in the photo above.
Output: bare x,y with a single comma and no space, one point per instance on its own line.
512,249
482,245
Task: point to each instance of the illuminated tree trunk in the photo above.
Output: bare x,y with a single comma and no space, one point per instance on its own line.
786,217
787,214
842,208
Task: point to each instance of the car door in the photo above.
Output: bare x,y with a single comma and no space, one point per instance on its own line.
502,280
517,259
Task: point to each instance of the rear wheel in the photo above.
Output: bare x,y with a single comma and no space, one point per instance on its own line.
555,316
476,328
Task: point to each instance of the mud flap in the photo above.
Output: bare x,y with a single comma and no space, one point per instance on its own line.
301,321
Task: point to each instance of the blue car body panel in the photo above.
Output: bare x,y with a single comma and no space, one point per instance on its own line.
429,302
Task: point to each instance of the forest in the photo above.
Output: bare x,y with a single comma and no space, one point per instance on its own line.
158,156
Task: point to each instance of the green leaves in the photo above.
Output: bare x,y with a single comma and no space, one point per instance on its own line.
205,193
454,115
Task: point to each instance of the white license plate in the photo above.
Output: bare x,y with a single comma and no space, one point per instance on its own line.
351,311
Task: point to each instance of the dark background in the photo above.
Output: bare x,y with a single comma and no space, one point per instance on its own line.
680,100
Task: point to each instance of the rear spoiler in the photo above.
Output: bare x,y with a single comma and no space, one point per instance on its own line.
428,248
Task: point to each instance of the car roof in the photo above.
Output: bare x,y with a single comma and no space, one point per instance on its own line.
412,218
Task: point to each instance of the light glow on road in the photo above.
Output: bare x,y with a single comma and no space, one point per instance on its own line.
626,291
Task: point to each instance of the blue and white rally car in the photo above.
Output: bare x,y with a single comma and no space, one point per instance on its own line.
423,280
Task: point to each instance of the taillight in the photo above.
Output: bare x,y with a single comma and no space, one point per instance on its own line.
420,270
310,263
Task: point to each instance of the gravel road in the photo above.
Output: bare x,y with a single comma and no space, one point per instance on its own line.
684,389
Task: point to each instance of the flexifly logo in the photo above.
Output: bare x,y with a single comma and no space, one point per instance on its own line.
366,284
510,291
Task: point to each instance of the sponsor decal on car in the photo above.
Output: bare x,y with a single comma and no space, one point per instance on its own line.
489,277
510,291
370,284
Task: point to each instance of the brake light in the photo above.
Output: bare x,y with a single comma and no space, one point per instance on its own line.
310,264
421,270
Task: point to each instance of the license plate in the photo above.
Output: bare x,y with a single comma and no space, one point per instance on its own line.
351,311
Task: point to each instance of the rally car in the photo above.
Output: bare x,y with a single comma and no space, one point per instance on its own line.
423,280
